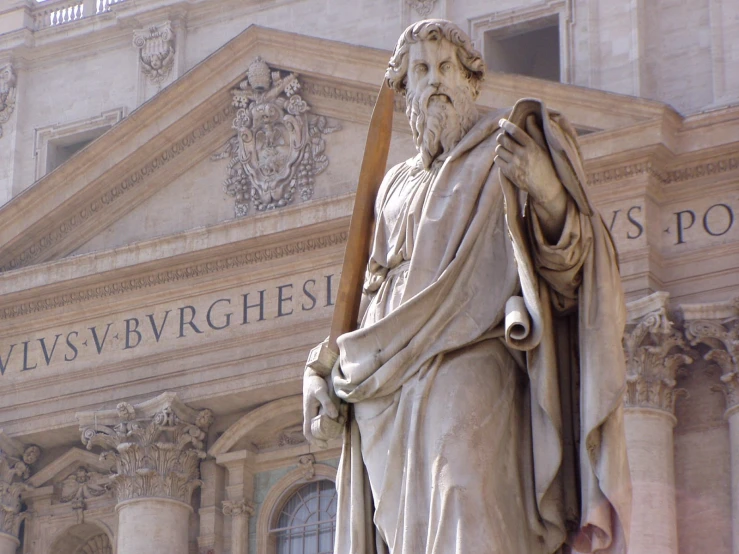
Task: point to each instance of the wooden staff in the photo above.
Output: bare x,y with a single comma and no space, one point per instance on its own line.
349,296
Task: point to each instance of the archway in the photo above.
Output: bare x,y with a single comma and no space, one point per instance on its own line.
84,538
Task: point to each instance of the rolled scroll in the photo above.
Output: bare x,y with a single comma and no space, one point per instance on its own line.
517,320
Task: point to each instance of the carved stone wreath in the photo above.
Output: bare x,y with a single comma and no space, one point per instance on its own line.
278,148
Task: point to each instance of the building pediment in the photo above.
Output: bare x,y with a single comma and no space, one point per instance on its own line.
161,170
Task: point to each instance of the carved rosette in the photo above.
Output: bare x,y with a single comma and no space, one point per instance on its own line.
722,338
156,51
14,474
654,352
7,94
238,508
157,447
278,149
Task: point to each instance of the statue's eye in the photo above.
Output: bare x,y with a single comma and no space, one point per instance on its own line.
446,66
422,69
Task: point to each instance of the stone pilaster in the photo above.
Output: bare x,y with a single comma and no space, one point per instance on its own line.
654,353
239,510
157,447
15,469
717,327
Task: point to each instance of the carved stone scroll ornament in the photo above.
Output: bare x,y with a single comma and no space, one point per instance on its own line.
7,94
278,148
156,454
722,338
156,51
654,352
14,473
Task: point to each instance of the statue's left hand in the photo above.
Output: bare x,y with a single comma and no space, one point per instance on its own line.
530,168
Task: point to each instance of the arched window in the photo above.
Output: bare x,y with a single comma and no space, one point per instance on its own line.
307,522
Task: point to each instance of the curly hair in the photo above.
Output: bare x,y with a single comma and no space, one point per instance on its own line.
434,29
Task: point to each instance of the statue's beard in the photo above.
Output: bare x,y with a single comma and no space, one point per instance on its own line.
439,118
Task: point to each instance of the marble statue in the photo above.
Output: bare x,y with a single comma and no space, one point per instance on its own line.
484,384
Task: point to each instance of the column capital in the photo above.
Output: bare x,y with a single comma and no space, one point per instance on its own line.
15,469
156,445
238,507
654,352
717,327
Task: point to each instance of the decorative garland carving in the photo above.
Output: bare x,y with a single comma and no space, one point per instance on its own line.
166,277
654,352
14,474
156,51
157,453
81,485
278,148
237,508
722,338
7,94
114,194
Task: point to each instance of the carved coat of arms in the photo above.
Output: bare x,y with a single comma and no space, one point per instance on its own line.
278,149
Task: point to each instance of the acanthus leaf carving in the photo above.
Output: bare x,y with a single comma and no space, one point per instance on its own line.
654,353
7,94
156,51
278,148
14,474
156,454
721,336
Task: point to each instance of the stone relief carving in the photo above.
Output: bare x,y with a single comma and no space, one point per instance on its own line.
278,148
81,485
423,7
156,51
156,454
722,338
237,508
306,464
7,94
14,474
654,352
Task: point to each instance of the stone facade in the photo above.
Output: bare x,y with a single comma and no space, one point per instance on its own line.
159,294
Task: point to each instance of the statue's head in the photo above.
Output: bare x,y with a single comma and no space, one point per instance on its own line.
439,71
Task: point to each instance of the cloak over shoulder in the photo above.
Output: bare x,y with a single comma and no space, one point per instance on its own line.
463,210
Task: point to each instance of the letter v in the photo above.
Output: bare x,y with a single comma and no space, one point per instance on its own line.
99,344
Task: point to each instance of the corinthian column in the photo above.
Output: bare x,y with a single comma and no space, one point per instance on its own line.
654,352
15,470
717,326
157,447
239,512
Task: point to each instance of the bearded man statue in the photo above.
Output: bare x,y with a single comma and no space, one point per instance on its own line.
485,380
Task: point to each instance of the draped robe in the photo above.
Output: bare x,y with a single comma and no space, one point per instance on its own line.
460,440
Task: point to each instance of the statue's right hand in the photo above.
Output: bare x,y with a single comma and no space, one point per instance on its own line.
316,401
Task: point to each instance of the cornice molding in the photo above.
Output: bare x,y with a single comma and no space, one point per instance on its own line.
192,271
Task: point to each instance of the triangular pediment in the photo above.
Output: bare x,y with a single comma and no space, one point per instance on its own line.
158,171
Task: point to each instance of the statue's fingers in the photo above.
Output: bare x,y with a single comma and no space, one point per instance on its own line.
508,143
503,154
329,407
518,134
